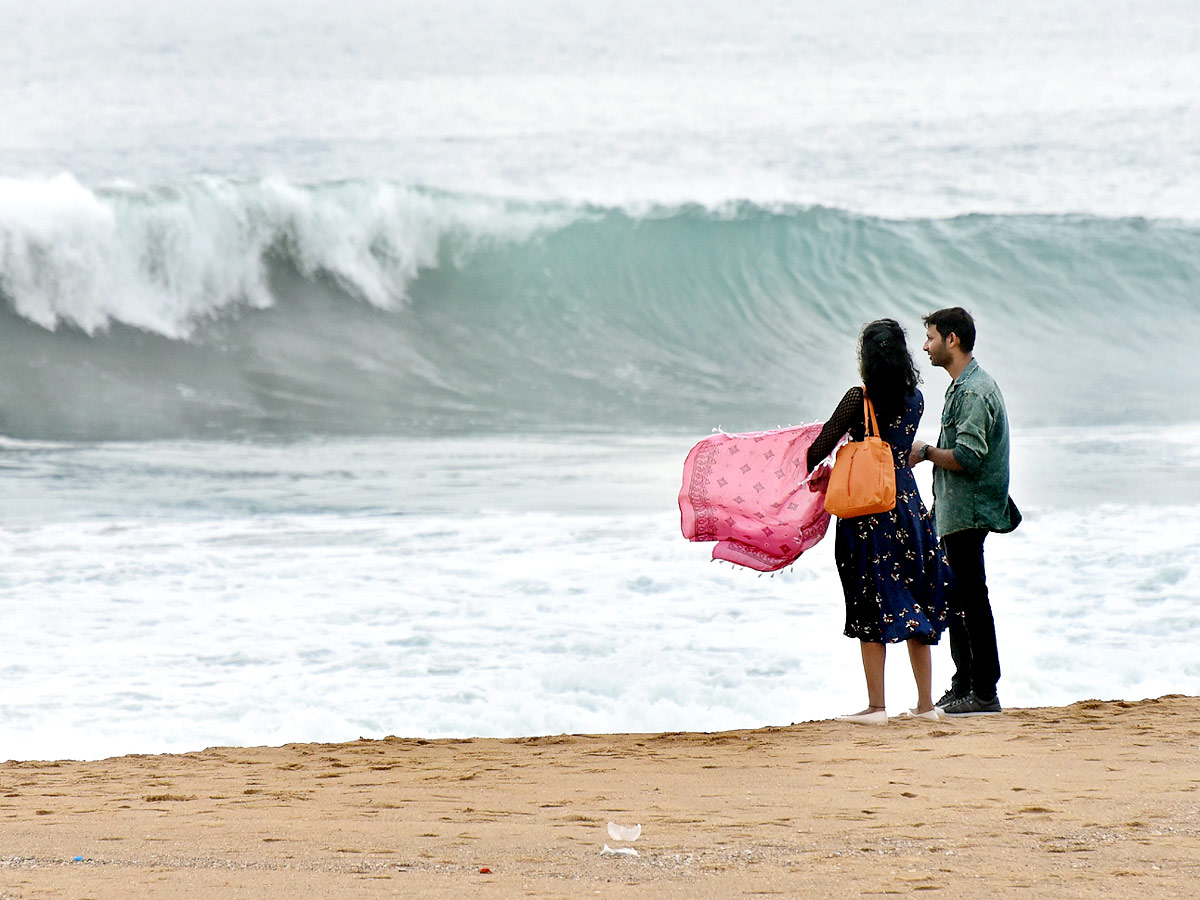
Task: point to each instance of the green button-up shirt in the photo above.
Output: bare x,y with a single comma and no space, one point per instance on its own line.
975,427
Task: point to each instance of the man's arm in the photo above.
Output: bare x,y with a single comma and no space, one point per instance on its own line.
970,443
943,459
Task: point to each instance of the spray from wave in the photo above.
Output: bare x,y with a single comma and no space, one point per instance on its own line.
223,308
166,259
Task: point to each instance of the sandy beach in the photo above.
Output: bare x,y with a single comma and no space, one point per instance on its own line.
1101,798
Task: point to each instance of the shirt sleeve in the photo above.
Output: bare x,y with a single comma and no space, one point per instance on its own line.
972,425
847,417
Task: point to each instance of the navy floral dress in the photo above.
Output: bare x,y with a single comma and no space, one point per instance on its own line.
894,575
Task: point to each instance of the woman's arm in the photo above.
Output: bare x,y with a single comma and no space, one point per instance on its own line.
849,413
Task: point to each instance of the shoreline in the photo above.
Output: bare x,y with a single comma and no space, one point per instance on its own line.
1075,801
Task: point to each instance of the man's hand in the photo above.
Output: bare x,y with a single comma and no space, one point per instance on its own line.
940,457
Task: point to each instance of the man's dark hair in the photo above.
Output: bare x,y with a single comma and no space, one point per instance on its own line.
954,320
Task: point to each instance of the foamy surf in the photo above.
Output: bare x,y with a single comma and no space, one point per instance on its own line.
171,596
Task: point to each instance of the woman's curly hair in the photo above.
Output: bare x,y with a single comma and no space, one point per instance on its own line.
886,365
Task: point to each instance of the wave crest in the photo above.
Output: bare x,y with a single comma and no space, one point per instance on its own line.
218,308
165,259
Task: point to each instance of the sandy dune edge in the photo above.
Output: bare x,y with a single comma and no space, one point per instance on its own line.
1095,799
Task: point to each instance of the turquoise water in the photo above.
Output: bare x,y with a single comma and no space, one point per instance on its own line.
266,309
349,354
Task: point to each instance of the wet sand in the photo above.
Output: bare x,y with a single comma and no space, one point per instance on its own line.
1098,799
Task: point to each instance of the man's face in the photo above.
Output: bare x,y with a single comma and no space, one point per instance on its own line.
935,346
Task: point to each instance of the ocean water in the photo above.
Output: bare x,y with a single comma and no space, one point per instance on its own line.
349,355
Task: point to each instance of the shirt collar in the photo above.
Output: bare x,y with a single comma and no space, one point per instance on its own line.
963,375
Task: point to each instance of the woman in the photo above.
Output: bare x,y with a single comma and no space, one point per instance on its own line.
893,573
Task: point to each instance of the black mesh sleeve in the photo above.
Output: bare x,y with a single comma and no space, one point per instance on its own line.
847,417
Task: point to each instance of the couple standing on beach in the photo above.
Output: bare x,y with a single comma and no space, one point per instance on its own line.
900,583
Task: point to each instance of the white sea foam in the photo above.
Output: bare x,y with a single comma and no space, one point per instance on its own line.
166,259
173,596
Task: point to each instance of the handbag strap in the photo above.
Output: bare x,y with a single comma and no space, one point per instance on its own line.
869,424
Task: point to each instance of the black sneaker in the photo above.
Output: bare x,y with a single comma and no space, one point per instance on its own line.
971,705
949,697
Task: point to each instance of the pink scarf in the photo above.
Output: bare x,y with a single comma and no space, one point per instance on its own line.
746,492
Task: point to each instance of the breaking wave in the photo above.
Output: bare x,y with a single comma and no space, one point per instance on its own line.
221,308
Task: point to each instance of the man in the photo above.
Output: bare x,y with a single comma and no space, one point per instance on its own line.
970,498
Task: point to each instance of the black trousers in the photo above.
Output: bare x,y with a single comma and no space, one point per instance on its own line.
972,628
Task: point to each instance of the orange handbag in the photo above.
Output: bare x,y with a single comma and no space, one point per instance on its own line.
863,480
